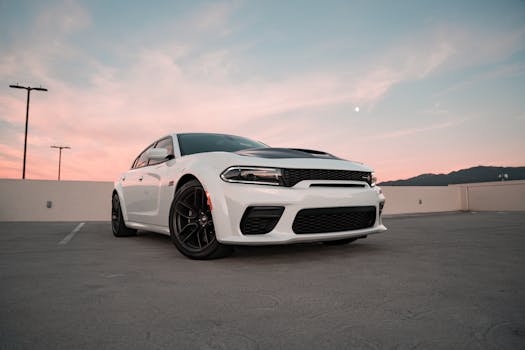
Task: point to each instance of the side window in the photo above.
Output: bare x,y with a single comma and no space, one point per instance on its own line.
142,160
134,165
166,144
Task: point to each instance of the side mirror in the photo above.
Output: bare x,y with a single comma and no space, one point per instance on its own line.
157,154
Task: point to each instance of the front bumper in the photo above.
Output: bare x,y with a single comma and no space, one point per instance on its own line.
230,201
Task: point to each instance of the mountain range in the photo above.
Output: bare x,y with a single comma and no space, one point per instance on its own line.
470,175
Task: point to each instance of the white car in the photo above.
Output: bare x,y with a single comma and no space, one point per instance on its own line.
212,191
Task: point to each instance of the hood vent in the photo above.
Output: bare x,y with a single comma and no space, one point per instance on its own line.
277,153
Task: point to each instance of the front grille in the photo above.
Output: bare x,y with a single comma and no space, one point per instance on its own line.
324,220
292,176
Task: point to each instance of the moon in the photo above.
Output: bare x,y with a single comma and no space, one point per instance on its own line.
356,109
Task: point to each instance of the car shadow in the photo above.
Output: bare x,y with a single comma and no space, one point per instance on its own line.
304,251
297,251
153,236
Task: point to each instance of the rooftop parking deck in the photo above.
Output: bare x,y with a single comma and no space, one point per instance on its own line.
432,281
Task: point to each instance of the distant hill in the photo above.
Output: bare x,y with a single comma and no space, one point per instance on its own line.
470,175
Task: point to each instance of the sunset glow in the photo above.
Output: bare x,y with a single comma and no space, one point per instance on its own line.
408,89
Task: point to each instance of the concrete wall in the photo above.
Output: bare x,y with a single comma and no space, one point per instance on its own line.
421,199
26,200
493,196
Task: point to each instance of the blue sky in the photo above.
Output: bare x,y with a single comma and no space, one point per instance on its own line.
439,85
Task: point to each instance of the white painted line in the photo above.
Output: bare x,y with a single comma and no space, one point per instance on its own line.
72,234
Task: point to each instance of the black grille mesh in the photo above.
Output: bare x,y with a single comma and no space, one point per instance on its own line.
254,226
260,220
292,176
324,220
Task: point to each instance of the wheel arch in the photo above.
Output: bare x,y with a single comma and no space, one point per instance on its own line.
118,191
185,179
207,173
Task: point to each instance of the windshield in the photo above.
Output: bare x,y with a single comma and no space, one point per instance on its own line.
200,143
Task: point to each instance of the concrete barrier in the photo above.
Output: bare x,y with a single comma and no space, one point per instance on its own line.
421,199
493,196
45,200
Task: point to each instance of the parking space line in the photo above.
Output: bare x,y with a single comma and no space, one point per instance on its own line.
71,234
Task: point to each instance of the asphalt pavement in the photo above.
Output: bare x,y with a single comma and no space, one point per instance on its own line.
442,281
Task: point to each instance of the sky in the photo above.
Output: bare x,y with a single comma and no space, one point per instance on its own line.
406,87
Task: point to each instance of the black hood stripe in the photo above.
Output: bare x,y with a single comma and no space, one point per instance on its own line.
277,153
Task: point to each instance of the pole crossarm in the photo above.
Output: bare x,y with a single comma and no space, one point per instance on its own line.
16,86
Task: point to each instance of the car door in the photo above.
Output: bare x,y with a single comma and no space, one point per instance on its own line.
131,187
153,183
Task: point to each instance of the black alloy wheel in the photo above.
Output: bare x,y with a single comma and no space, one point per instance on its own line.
191,224
118,225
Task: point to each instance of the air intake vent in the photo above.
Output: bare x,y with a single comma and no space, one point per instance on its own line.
325,220
260,220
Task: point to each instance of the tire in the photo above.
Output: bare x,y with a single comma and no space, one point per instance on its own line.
191,224
343,241
118,226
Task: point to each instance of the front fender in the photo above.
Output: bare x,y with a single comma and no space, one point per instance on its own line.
117,188
208,174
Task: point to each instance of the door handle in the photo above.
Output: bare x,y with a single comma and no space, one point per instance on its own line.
141,178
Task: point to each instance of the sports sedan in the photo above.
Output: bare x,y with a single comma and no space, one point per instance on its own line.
212,191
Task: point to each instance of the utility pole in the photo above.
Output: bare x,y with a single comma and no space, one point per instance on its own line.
28,88
60,148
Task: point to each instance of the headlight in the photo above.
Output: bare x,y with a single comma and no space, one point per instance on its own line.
374,179
253,175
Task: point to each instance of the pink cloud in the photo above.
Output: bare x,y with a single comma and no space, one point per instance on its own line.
123,109
417,130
